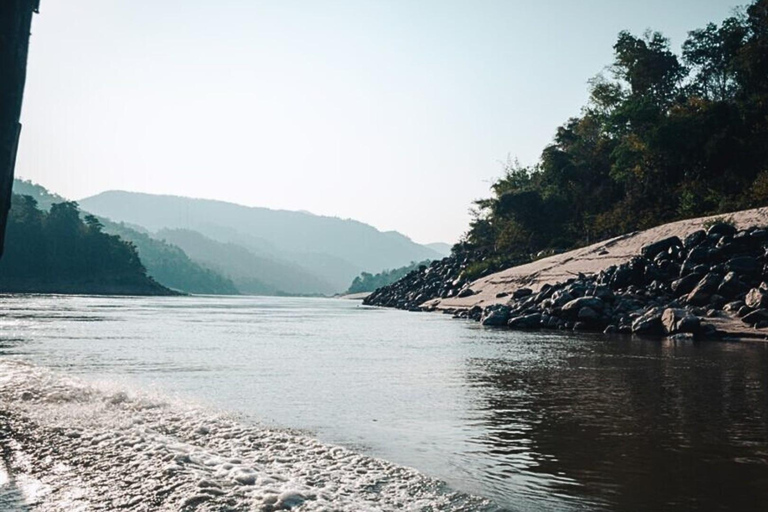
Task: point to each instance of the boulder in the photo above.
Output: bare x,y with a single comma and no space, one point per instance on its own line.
525,322
589,315
744,265
522,292
581,326
755,317
698,254
721,229
694,239
706,287
650,251
756,298
602,292
573,307
685,285
731,286
675,320
466,292
496,316
649,323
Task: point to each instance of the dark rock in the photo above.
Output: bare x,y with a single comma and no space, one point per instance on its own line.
522,292
581,326
611,329
602,292
682,336
759,235
730,286
694,239
679,320
652,250
587,314
717,301
685,285
561,297
649,323
525,322
756,298
704,289
698,254
496,316
733,307
466,292
743,265
501,295
755,317
743,311
721,229
574,307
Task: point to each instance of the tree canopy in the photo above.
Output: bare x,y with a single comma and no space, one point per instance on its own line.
56,251
664,136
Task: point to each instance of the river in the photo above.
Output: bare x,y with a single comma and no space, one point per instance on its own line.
529,421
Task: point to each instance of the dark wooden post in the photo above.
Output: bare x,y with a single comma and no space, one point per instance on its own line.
15,24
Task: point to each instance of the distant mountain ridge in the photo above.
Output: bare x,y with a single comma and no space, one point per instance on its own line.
333,250
251,273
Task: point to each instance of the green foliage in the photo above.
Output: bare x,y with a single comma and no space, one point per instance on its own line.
170,265
58,252
664,137
367,282
165,263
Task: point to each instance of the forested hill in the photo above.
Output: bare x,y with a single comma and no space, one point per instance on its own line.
665,136
57,252
165,263
367,282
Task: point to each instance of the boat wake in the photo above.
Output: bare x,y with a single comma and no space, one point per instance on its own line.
69,446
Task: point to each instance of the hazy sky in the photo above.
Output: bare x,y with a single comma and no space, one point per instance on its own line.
395,113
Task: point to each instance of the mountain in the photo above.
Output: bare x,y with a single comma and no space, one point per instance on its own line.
333,250
58,252
251,273
165,263
170,265
441,248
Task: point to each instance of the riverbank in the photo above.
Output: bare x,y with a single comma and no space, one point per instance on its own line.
720,258
146,287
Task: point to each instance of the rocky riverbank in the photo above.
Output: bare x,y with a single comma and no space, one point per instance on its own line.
711,282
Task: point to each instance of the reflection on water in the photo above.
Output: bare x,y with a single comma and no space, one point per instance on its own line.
634,425
534,421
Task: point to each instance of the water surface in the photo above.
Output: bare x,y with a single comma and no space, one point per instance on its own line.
533,421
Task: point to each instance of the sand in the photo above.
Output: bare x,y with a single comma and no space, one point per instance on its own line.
587,260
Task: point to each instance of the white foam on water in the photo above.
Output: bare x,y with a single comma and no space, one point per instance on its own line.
74,446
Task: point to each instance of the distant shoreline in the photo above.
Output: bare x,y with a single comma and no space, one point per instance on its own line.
64,288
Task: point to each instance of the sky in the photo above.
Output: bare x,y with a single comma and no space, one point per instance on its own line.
397,113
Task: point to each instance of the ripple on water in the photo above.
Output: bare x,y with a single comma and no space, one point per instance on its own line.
74,446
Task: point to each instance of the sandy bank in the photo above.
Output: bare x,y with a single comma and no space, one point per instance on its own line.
587,260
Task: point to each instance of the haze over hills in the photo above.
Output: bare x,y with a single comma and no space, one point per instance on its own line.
251,273
333,250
